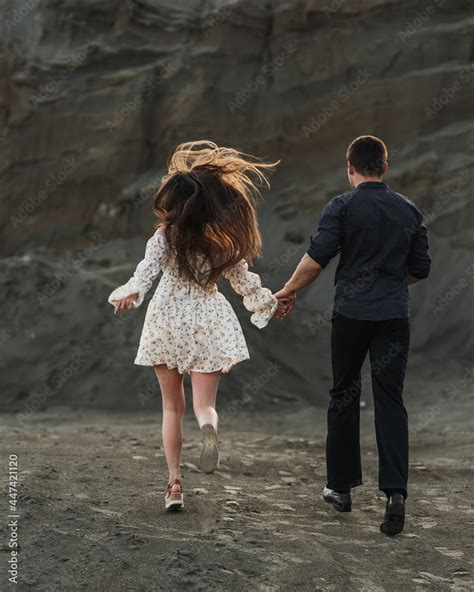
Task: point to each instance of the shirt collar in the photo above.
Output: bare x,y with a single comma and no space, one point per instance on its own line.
373,185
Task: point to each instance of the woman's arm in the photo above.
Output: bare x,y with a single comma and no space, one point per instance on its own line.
131,294
257,299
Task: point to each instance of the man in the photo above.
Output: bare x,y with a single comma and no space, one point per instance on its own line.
383,248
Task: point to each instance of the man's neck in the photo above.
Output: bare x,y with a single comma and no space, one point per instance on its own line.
361,179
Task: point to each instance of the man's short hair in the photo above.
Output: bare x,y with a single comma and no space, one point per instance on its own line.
368,155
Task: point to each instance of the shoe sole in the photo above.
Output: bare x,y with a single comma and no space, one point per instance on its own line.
395,520
338,507
174,501
209,453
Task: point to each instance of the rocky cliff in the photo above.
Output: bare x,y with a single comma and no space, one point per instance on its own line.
95,94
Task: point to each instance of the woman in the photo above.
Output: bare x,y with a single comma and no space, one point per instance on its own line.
207,228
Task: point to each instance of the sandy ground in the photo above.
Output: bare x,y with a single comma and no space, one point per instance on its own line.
91,510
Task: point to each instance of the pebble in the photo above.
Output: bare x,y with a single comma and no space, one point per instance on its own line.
285,507
190,467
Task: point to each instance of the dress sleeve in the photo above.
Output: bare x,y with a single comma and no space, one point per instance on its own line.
258,300
147,270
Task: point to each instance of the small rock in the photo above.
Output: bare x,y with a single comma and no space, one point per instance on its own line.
190,467
285,507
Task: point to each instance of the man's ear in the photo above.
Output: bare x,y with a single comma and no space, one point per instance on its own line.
350,168
385,168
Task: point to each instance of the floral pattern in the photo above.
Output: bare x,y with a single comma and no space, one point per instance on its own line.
189,327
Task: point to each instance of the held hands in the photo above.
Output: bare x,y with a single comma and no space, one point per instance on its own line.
125,303
286,302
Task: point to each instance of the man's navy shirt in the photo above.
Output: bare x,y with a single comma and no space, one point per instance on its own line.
382,240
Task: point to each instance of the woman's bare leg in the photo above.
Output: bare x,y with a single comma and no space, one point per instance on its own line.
172,393
204,386
204,403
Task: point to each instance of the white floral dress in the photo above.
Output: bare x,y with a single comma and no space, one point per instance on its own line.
186,326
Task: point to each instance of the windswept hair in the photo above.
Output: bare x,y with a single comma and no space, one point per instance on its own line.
206,204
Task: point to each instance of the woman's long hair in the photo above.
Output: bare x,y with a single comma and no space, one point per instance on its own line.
206,204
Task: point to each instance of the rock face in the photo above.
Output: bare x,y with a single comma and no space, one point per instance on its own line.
95,95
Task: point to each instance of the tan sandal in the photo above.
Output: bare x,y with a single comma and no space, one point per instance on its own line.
209,458
174,500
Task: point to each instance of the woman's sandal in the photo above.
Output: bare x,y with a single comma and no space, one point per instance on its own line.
209,458
174,500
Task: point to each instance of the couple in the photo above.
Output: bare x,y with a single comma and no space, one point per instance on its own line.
208,228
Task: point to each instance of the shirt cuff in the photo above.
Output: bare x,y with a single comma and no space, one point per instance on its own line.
419,275
320,259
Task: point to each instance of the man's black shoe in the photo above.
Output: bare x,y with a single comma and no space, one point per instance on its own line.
342,502
394,518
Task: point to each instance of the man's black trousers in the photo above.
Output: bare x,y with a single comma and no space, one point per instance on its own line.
387,343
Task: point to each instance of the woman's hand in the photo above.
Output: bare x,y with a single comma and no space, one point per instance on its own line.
125,303
286,304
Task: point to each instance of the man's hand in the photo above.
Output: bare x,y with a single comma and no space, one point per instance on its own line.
125,303
286,293
286,302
